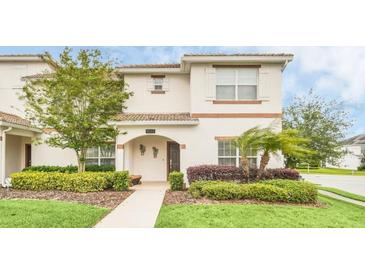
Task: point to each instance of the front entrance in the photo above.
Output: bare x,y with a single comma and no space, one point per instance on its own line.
173,157
28,155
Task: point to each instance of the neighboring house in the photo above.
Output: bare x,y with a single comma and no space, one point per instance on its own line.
354,148
181,115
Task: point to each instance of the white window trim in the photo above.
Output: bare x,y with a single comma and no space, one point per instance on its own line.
99,157
236,87
237,156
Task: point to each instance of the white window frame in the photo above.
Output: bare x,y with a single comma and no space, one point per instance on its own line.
99,157
236,85
162,83
236,156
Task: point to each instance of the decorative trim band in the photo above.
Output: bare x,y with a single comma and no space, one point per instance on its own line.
236,115
237,102
224,138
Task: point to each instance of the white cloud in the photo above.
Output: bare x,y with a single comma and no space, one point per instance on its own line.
340,69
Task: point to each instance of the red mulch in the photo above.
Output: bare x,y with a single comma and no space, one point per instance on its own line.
108,198
183,197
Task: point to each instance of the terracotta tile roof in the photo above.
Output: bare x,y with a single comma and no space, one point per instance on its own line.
183,116
13,119
239,54
356,140
151,66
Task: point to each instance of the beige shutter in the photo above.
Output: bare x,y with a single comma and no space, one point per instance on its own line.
210,83
165,84
263,84
150,85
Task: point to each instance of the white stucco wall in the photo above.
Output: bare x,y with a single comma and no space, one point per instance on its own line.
352,158
11,83
176,98
151,169
42,154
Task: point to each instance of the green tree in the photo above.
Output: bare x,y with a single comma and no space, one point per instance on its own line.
245,142
287,141
322,122
77,100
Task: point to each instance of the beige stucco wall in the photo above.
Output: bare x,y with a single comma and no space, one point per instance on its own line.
176,98
15,153
201,145
151,169
45,155
11,83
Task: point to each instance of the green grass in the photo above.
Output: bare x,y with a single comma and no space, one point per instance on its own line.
343,193
334,171
43,214
335,214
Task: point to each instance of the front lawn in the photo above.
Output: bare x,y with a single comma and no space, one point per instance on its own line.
332,171
335,214
43,214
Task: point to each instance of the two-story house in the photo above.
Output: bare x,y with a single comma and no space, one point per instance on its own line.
185,114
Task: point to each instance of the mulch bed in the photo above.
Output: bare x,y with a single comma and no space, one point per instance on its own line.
107,198
183,197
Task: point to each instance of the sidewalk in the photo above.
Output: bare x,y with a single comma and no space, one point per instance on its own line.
338,197
138,210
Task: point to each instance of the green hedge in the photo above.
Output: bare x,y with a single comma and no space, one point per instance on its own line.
176,180
70,168
271,191
75,182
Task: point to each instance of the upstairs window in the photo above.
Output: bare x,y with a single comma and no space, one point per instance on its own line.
236,83
228,155
158,82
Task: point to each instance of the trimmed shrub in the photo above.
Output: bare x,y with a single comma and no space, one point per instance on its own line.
119,180
70,168
231,173
75,182
176,180
271,191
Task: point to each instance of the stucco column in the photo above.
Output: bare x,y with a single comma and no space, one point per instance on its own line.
119,157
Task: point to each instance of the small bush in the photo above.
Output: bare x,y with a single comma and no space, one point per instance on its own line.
362,167
176,180
271,191
231,173
70,168
75,182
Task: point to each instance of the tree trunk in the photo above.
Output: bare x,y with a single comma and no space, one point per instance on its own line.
81,155
246,168
263,163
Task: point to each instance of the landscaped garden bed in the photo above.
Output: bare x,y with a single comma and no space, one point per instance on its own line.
107,198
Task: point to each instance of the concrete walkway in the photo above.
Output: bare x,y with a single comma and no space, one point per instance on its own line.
353,184
139,210
338,197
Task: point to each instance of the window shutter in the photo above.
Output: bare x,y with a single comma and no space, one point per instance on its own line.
150,85
210,80
165,84
263,84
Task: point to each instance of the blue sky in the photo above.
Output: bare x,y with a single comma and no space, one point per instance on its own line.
333,72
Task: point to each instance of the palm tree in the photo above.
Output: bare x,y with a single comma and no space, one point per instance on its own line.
287,141
245,142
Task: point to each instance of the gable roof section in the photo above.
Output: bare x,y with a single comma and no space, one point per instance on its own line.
14,119
180,118
356,140
44,57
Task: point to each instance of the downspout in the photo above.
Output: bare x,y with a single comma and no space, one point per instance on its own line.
3,148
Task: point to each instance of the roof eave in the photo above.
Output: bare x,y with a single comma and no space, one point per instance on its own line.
149,70
14,125
155,123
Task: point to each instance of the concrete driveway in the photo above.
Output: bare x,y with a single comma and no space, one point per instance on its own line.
353,184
